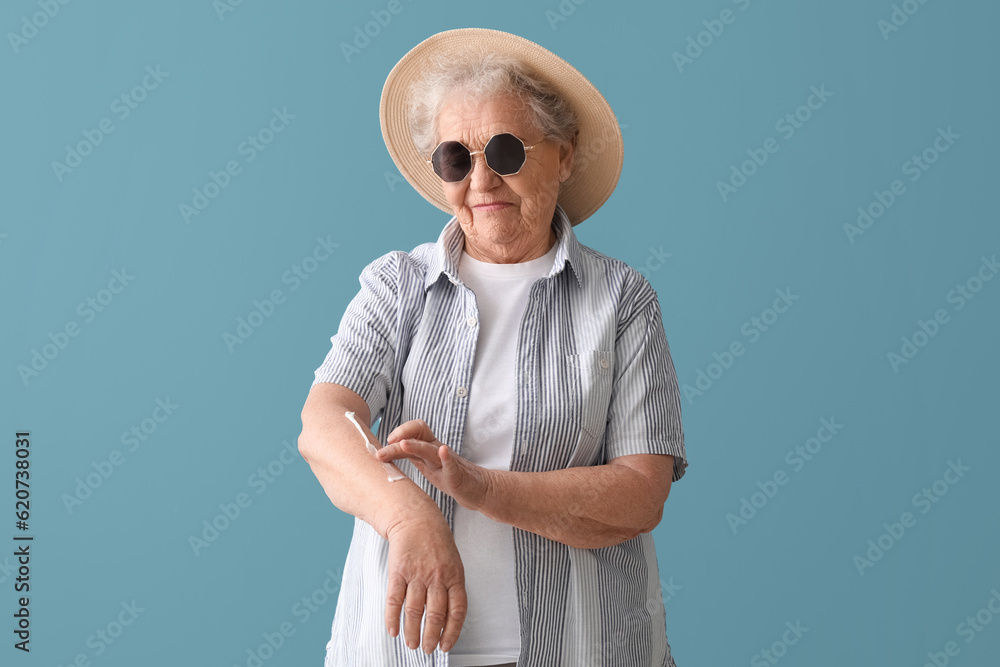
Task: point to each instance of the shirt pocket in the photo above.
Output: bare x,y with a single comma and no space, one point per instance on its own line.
595,370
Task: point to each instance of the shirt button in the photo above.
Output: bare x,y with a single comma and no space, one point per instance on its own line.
461,392
604,363
471,321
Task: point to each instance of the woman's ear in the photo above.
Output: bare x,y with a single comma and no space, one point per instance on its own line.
566,151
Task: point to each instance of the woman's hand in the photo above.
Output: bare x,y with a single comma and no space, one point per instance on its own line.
464,481
425,570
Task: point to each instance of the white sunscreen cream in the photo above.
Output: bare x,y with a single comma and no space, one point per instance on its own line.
391,470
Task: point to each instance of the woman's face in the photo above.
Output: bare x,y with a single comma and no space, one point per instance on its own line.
505,218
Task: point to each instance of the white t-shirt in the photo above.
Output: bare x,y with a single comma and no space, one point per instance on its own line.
491,634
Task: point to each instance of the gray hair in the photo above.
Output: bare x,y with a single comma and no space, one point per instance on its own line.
481,75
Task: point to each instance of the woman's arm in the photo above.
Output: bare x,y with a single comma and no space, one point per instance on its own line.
353,479
424,569
583,507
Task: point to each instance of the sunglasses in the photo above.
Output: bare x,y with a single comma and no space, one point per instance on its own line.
504,154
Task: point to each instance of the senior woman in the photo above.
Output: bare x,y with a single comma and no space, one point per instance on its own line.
530,416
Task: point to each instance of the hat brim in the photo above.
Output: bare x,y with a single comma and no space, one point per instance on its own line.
599,152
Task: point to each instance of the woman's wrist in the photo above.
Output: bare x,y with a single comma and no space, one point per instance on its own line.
492,481
426,517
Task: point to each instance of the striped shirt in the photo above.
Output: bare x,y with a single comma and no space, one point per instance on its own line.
594,381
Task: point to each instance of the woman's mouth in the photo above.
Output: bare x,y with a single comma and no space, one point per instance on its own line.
492,206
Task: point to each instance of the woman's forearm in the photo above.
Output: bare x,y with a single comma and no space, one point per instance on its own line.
352,478
584,507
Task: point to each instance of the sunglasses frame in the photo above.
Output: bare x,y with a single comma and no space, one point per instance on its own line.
472,155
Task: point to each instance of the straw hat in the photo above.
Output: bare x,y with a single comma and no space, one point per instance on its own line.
597,163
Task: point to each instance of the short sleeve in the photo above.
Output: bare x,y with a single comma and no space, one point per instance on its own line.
363,351
644,415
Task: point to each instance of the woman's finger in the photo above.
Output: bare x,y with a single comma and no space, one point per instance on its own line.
437,614
415,428
447,457
399,451
391,453
413,611
394,603
458,607
453,472
422,450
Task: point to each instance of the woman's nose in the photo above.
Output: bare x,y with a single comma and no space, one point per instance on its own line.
482,177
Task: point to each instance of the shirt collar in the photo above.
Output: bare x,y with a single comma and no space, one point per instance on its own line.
451,242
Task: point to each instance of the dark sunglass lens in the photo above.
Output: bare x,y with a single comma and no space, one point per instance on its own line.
505,154
451,161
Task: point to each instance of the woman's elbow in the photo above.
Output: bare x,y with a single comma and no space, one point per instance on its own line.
647,522
306,442
652,520
613,535
304,450
314,449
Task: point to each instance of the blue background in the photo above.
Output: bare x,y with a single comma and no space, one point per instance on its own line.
732,586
